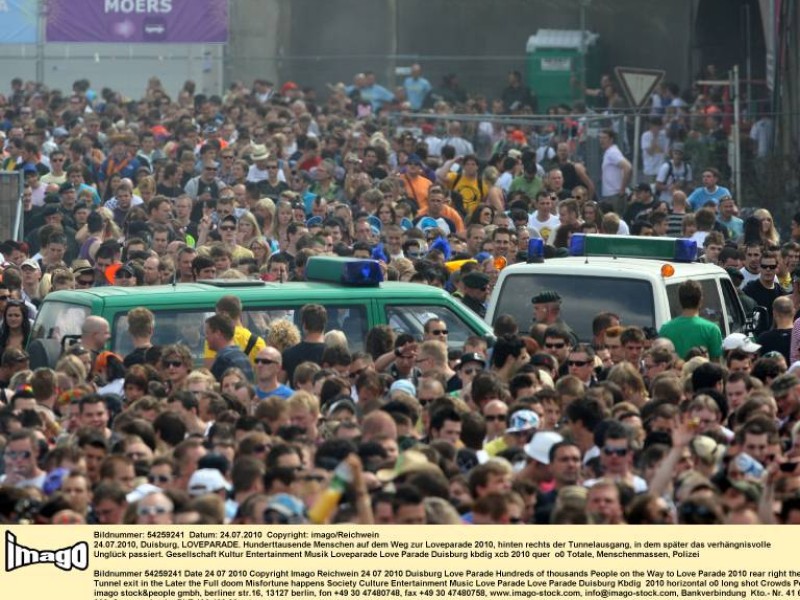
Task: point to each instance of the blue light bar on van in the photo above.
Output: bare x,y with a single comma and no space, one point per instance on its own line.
344,271
674,249
535,250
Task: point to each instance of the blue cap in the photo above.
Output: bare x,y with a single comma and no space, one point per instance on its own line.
54,479
315,221
375,222
428,223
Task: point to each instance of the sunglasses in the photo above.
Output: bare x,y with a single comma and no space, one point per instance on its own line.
620,452
17,454
439,332
159,478
172,363
309,478
769,267
227,228
265,361
471,371
490,418
86,282
557,346
124,275
5,298
147,511
578,363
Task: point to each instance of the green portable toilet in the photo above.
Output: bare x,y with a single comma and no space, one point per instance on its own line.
556,65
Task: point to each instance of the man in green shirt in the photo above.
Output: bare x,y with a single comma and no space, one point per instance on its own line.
690,329
529,182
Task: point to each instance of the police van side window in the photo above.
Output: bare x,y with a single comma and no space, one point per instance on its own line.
351,319
185,327
411,319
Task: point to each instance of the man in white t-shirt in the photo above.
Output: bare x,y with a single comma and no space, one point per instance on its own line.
543,220
616,172
654,149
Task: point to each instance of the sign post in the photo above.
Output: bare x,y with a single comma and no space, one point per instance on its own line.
638,85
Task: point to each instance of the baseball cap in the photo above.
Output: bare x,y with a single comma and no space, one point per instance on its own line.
522,420
739,341
207,481
404,385
539,446
33,264
469,357
291,508
141,491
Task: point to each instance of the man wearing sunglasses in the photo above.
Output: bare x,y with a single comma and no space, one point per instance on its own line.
269,364
469,365
765,289
581,364
616,458
19,456
476,290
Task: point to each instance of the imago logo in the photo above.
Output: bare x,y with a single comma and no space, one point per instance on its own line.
66,559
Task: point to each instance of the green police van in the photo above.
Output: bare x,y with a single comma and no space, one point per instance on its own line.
352,291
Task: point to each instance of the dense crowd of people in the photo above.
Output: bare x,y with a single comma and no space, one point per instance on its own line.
684,425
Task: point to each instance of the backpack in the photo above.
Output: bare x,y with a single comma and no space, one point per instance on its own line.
671,171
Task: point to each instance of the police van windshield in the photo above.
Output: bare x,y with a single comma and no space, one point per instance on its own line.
582,298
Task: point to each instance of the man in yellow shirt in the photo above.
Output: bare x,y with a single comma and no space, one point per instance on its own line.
250,343
466,182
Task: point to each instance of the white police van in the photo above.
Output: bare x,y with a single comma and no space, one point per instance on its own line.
636,278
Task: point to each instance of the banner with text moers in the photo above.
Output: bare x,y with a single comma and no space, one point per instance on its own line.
137,21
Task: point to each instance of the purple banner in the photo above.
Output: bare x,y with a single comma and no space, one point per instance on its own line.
138,21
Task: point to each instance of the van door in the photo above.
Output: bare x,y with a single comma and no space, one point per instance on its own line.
735,317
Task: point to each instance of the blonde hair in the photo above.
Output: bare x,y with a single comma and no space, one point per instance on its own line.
198,376
282,334
110,229
335,338
72,366
490,174
248,217
772,237
303,400
625,375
